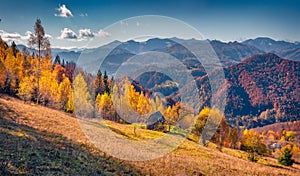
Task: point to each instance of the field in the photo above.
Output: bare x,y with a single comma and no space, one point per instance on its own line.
38,140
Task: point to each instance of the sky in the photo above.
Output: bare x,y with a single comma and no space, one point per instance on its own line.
88,23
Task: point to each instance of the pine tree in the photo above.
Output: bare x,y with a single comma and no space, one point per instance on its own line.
99,84
105,82
57,60
286,157
14,48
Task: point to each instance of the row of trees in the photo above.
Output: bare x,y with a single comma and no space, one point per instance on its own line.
122,99
33,76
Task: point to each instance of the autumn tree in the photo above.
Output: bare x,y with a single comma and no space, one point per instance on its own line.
2,76
59,72
253,144
40,42
105,106
48,83
82,98
26,88
64,95
133,97
233,136
143,105
156,105
168,115
201,121
12,66
289,136
222,132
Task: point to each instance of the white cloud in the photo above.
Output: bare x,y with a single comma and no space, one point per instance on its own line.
67,33
18,38
63,12
102,33
83,14
85,33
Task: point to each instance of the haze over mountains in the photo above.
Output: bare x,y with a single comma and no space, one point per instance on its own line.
263,88
229,53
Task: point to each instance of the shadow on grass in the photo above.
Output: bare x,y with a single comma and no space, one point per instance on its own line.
275,166
25,150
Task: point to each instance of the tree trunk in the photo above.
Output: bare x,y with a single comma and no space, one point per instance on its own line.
134,129
39,72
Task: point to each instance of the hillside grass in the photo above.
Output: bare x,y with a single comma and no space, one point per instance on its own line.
41,141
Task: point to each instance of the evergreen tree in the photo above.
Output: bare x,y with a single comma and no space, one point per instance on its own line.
105,82
57,60
14,48
286,157
99,84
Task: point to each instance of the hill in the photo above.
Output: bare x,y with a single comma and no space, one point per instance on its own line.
270,45
39,140
284,49
234,52
293,54
262,90
264,82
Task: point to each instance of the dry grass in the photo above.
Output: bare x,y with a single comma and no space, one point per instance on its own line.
47,131
37,140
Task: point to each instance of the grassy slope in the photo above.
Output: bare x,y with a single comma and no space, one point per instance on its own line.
38,140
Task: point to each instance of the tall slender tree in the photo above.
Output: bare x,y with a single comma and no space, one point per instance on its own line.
39,41
105,81
99,85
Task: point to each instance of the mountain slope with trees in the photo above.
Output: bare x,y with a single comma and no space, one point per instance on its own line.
267,88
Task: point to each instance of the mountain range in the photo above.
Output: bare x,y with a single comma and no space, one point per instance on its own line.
262,75
229,53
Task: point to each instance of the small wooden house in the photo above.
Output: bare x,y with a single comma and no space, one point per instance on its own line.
155,120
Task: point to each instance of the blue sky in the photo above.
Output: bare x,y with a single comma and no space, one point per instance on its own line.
73,23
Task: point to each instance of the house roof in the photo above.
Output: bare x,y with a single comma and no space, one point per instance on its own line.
155,117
